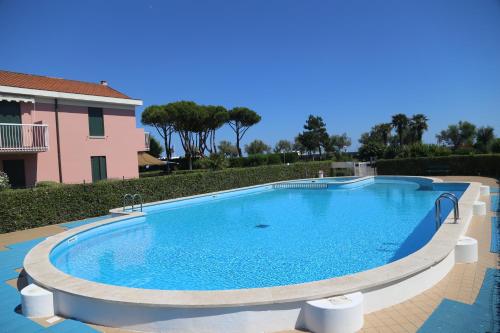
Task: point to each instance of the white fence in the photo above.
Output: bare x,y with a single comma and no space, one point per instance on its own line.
24,137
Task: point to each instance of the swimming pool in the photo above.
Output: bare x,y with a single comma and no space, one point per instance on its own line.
261,238
248,260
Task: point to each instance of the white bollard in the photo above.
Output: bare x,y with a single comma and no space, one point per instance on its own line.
320,174
37,302
479,208
484,190
466,250
339,314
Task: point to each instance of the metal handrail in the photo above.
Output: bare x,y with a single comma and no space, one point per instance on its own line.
125,197
137,195
132,198
437,206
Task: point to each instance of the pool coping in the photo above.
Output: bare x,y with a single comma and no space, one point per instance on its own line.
38,266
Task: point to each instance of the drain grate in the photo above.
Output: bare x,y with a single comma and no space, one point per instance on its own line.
315,186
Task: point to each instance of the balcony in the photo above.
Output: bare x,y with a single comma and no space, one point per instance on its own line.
146,141
30,138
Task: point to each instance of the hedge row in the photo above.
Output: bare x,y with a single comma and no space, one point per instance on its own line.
262,159
471,165
23,209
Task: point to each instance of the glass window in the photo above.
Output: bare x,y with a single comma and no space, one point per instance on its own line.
98,168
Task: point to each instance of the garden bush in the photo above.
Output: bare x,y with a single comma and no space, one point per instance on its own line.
28,208
262,159
256,160
464,165
4,181
289,157
48,183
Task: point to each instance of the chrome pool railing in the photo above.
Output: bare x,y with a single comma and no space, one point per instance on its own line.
131,198
437,206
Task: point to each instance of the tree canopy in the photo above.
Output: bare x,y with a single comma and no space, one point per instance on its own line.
458,136
155,148
339,142
257,147
227,149
485,137
240,120
189,123
283,146
400,122
162,118
196,125
314,137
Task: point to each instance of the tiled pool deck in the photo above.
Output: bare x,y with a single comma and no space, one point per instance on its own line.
461,299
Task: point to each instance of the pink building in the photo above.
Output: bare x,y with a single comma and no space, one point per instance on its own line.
66,131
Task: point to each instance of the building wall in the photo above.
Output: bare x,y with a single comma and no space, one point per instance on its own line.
47,161
120,144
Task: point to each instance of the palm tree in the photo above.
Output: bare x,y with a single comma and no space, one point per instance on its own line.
385,131
484,139
400,123
418,125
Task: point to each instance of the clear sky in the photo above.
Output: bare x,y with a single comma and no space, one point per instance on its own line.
355,63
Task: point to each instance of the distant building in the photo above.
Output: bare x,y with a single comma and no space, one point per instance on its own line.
66,131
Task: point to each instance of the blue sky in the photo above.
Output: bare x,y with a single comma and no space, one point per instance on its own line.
355,63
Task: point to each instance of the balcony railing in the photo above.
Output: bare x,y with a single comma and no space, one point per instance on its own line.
146,141
23,137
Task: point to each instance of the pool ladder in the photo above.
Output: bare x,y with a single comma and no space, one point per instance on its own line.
437,206
131,198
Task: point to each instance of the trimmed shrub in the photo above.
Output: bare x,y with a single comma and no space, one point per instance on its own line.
291,157
4,181
214,162
262,159
48,183
273,159
237,162
256,160
416,150
495,146
464,165
29,208
188,172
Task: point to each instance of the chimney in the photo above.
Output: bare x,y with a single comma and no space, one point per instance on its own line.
104,82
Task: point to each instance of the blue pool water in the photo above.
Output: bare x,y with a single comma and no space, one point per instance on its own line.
259,238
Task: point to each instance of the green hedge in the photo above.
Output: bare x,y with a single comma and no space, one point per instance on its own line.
23,209
470,165
262,159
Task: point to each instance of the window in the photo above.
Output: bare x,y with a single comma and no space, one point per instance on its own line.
96,122
98,168
10,136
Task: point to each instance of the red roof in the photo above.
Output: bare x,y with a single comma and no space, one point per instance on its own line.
29,81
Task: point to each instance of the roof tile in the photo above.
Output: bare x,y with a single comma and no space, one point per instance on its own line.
29,81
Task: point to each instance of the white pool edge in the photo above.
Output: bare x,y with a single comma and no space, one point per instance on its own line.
244,310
